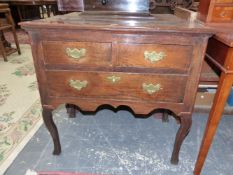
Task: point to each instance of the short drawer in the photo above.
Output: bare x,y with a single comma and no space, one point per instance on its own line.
77,53
154,56
119,86
222,14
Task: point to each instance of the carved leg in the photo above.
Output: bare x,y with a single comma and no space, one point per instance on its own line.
71,110
165,117
49,123
186,122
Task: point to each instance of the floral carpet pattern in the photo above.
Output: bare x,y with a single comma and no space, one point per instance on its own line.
4,93
20,108
21,34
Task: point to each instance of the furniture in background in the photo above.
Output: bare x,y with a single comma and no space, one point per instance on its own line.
70,5
111,5
185,13
219,53
7,24
3,19
218,15
172,4
216,11
24,10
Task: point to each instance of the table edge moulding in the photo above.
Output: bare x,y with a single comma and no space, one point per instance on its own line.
131,63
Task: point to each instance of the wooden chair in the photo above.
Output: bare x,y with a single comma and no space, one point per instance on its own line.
7,25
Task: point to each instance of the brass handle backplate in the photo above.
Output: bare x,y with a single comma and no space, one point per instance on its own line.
75,53
78,84
154,56
151,88
223,14
113,79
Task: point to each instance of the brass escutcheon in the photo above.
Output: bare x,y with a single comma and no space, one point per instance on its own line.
113,79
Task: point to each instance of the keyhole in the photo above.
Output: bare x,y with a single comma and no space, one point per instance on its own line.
104,2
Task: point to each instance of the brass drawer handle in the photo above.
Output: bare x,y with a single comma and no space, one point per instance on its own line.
151,88
75,53
154,56
78,84
113,79
223,14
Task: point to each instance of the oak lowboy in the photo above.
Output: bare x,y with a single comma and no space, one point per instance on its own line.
142,62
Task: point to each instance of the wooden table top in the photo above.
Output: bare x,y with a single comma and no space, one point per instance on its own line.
101,20
226,38
224,32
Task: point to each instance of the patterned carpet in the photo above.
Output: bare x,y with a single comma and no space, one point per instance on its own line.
20,108
21,34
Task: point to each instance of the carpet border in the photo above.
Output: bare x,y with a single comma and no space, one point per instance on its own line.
5,165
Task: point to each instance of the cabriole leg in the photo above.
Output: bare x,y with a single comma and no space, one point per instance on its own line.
185,125
49,123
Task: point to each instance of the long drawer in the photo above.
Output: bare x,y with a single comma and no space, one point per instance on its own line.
176,57
115,85
77,53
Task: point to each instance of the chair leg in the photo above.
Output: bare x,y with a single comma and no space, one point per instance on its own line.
4,41
48,11
2,48
16,40
41,9
11,21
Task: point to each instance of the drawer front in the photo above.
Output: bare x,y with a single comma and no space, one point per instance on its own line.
154,56
222,14
122,86
77,53
224,1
